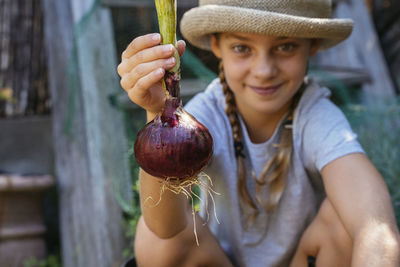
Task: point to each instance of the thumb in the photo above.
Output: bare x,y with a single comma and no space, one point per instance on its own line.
181,47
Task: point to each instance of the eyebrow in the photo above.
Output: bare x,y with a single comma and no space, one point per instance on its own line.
244,38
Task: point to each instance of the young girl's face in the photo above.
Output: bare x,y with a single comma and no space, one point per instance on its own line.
264,72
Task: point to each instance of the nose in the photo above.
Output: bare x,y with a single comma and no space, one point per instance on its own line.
264,67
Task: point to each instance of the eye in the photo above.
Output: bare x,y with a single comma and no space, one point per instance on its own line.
286,47
241,49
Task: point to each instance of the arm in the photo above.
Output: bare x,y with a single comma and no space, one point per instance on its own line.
141,69
360,197
165,215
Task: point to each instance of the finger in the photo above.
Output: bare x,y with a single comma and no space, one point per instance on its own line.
140,43
129,79
144,83
181,47
146,55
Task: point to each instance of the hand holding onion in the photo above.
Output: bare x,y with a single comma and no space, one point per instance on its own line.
142,68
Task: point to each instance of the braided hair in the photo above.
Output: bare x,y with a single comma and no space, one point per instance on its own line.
231,112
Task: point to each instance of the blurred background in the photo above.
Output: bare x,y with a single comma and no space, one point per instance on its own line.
68,177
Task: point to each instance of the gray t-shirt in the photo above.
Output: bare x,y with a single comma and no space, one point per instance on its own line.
321,134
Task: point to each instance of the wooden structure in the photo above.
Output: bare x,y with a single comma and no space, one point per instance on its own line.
387,22
89,134
22,226
362,50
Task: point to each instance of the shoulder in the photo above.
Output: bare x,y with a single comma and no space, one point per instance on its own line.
208,107
212,98
316,112
315,104
322,132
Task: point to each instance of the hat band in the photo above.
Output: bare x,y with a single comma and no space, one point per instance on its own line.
302,8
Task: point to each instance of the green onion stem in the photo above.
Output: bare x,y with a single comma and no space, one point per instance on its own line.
166,13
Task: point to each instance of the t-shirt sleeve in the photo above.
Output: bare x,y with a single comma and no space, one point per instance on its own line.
326,135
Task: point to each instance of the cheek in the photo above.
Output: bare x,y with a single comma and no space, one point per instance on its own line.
234,70
295,68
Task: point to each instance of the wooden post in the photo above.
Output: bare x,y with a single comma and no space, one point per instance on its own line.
89,135
361,50
387,22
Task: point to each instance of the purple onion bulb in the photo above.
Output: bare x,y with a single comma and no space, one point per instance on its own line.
174,145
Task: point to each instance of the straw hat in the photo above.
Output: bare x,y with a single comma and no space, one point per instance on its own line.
290,18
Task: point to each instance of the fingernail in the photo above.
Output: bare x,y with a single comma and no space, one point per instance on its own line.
168,48
171,61
160,71
156,37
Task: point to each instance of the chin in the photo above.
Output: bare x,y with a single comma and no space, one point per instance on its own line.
267,110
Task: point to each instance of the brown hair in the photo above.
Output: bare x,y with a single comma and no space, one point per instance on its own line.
275,171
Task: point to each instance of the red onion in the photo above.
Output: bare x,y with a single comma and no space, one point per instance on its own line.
174,145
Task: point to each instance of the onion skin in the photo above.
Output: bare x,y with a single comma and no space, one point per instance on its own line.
174,145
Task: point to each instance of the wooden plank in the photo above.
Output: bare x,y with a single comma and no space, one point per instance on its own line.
360,50
145,3
89,135
15,182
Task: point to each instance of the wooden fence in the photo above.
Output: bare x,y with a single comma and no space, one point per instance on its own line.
23,70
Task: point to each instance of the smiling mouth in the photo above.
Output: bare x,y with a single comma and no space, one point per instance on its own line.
269,90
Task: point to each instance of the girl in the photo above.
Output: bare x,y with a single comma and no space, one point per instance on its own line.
293,179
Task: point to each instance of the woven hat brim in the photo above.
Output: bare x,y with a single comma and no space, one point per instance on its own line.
198,23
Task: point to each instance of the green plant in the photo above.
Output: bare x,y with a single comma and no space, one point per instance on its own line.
378,128
131,220
50,261
132,212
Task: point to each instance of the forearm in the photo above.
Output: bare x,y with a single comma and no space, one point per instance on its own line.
361,198
377,244
375,233
164,212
